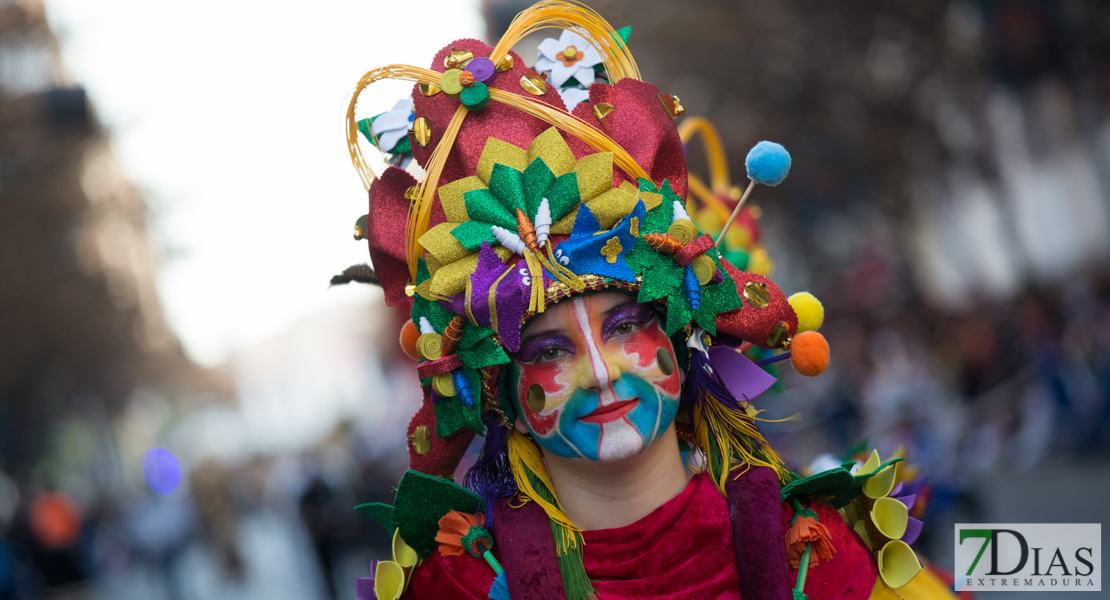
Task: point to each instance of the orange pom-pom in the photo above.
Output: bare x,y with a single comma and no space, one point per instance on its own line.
409,334
809,353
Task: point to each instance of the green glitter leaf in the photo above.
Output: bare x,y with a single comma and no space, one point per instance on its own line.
537,180
482,205
661,279
678,312
450,416
422,500
485,353
472,233
646,185
471,335
563,195
508,185
658,219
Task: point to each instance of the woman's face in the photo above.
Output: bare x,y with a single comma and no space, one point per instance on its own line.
595,377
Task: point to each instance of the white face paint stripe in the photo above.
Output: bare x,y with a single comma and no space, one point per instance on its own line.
601,371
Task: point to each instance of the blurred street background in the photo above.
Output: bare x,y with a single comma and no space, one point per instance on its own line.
175,195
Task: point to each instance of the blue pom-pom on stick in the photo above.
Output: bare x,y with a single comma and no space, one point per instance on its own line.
767,163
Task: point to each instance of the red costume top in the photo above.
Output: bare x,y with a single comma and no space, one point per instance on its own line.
682,550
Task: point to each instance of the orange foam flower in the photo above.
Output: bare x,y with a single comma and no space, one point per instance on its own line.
808,529
452,527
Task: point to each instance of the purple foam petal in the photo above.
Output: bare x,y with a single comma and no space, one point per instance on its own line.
364,588
913,529
741,376
897,490
908,500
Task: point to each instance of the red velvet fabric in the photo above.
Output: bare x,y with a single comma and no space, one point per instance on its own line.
682,550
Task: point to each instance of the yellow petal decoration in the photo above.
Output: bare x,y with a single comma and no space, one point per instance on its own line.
890,517
612,206
651,199
497,151
451,196
403,555
881,484
441,244
553,149
450,279
389,580
595,175
897,564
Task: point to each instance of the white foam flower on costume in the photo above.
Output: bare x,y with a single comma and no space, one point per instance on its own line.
392,126
569,56
573,96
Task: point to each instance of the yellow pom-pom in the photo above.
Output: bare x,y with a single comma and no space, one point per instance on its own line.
809,310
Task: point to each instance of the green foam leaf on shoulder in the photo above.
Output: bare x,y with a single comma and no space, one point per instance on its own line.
484,353
450,416
422,500
380,512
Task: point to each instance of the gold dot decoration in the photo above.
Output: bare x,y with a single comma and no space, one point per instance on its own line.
602,110
360,233
612,250
505,63
421,440
458,59
412,193
533,84
410,290
665,360
429,346
780,335
756,295
444,385
537,399
704,268
429,89
422,131
683,230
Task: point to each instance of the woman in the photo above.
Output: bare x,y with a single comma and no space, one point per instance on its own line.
565,306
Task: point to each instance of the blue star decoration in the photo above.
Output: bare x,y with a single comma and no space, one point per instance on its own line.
591,250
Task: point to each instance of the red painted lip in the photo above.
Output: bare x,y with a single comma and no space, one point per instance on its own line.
611,412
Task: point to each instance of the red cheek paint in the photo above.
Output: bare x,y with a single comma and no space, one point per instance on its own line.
644,346
545,376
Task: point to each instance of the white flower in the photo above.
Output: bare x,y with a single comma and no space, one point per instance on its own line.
573,96
390,127
579,63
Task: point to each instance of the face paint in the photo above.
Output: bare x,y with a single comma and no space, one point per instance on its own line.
595,357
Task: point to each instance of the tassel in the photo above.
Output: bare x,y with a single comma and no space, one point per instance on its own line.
723,430
531,477
500,588
806,529
462,387
536,300
663,243
691,287
491,477
560,272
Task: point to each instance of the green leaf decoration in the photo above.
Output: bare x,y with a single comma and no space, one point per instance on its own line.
658,219
485,353
438,316
678,312
624,33
662,278
838,484
471,234
716,298
508,185
482,205
381,512
562,196
422,500
471,335
647,186
537,180
450,416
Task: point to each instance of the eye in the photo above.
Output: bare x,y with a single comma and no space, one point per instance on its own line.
551,353
626,328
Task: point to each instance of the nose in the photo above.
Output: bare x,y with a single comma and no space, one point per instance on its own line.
601,371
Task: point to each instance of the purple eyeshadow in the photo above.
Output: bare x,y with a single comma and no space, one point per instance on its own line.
640,314
532,348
